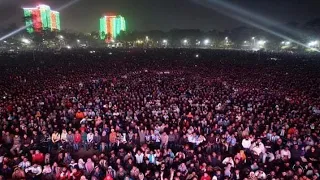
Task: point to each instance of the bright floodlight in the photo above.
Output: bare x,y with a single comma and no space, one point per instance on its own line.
283,42
261,42
206,42
26,41
78,40
165,41
245,42
68,47
61,37
313,43
185,41
197,55
288,43
226,38
253,38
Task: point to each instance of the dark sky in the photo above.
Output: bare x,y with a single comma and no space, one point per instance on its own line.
161,14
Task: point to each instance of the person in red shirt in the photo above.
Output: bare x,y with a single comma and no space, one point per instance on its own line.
64,175
108,177
205,177
10,108
79,115
75,174
113,137
38,157
77,140
83,128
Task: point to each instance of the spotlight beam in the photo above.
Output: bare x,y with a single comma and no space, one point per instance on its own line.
224,8
256,17
13,33
24,27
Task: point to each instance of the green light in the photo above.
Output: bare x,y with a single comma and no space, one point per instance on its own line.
48,17
111,25
58,20
28,20
103,28
123,24
49,20
44,19
118,25
114,30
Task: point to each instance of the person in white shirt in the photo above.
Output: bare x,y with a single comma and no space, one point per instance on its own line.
228,160
246,143
269,155
81,164
63,137
139,157
274,137
260,174
200,139
191,138
285,153
47,169
90,139
35,169
258,148
24,164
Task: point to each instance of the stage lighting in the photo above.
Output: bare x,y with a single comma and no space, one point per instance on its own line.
206,42
261,42
26,41
313,44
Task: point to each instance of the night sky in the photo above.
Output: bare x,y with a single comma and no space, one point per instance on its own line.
161,14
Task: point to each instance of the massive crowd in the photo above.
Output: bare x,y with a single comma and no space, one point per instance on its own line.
159,114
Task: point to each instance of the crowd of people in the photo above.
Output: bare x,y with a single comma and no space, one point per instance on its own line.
159,115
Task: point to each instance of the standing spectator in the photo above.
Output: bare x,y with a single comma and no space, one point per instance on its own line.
96,140
77,140
16,145
63,138
164,140
90,142
55,137
70,140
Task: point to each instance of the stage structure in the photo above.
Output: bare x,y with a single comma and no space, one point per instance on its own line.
41,18
111,26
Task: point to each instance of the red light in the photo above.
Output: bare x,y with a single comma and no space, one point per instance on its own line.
36,18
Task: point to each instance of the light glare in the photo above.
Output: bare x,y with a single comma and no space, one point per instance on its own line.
26,41
206,42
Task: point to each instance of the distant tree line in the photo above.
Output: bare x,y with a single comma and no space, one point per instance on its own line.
300,32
